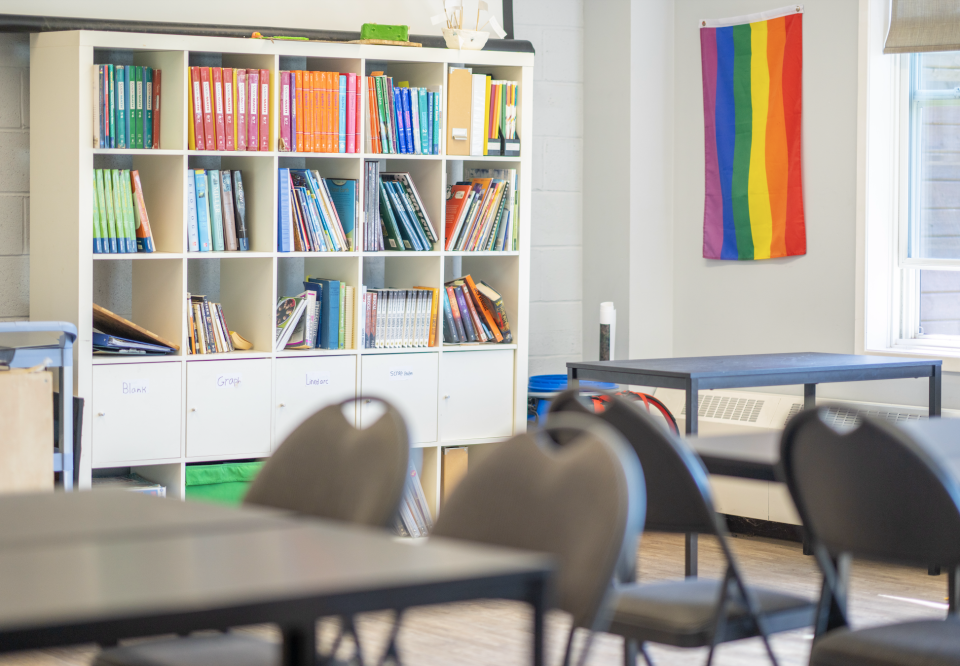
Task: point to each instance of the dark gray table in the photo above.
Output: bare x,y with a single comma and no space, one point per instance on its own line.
692,374
101,583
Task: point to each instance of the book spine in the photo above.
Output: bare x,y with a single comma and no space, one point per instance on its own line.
240,212
233,100
112,103
138,84
417,209
209,129
193,238
474,317
105,108
449,328
226,329
242,109
229,94
408,127
216,209
384,134
285,112
434,314
344,108
253,104
144,234
97,108
283,214
147,107
197,102
121,94
219,126
308,111
97,243
458,318
487,315
264,110
208,326
203,210
424,107
341,341
119,214
226,203
301,110
465,318
294,118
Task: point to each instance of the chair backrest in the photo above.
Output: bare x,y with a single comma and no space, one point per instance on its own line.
871,492
583,503
330,469
678,490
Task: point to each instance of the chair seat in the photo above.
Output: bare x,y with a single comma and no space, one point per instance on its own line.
923,643
223,649
681,613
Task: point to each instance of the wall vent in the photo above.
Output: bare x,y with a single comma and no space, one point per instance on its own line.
843,417
728,408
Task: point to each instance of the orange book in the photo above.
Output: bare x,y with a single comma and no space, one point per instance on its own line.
317,111
308,111
299,143
325,112
483,310
332,112
375,145
434,307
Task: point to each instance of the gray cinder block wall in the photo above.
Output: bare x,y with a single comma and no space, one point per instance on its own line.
555,27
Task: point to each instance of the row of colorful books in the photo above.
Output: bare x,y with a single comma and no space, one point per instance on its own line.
474,313
315,214
320,317
126,106
120,222
216,211
229,109
395,318
482,212
406,225
319,112
403,120
207,330
413,519
481,114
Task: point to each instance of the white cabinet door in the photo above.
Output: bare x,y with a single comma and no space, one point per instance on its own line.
136,412
476,399
409,382
228,408
306,384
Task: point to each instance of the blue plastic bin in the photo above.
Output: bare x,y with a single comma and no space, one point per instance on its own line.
542,388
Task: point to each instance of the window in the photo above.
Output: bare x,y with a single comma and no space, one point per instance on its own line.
929,202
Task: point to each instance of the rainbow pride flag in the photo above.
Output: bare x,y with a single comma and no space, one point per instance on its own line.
752,98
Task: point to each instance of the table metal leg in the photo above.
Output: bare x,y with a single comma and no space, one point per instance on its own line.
809,396
538,599
300,645
692,407
952,592
933,405
572,380
933,570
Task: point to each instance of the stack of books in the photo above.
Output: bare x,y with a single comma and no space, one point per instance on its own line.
207,330
482,115
406,225
126,106
216,211
229,109
120,222
319,112
315,214
413,519
397,318
372,225
482,212
320,317
403,120
474,313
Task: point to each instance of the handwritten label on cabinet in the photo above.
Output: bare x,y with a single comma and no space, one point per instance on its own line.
134,387
317,379
230,381
400,374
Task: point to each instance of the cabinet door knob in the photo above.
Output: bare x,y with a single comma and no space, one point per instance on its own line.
193,409
281,405
101,413
446,397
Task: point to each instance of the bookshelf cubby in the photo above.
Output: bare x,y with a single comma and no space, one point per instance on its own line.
240,405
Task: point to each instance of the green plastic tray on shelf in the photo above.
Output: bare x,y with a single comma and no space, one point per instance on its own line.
225,483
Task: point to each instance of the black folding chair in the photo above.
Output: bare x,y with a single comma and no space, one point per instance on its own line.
873,493
695,612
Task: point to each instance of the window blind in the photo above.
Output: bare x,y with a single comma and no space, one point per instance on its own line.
923,25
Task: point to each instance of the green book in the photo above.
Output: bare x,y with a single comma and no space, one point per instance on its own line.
122,101
138,125
147,107
106,186
126,187
97,240
386,135
343,312
216,209
118,215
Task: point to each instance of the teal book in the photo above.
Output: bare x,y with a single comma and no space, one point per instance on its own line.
148,108
343,116
436,123
138,107
128,114
203,210
216,209
121,92
343,193
329,313
424,121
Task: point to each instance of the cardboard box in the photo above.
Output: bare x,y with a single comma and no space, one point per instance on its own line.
26,430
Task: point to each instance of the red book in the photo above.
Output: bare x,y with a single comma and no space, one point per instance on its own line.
197,107
253,105
357,106
298,75
351,113
156,108
209,132
218,108
264,109
229,92
242,109
372,115
285,144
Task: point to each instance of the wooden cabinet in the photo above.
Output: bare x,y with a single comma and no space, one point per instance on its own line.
306,384
476,395
409,382
228,408
135,413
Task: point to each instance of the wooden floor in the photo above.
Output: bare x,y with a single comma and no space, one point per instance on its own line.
497,632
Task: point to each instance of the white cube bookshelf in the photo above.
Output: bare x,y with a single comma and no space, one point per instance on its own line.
456,395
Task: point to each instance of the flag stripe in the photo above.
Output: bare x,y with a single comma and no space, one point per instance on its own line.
713,207
796,236
744,138
777,139
759,195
